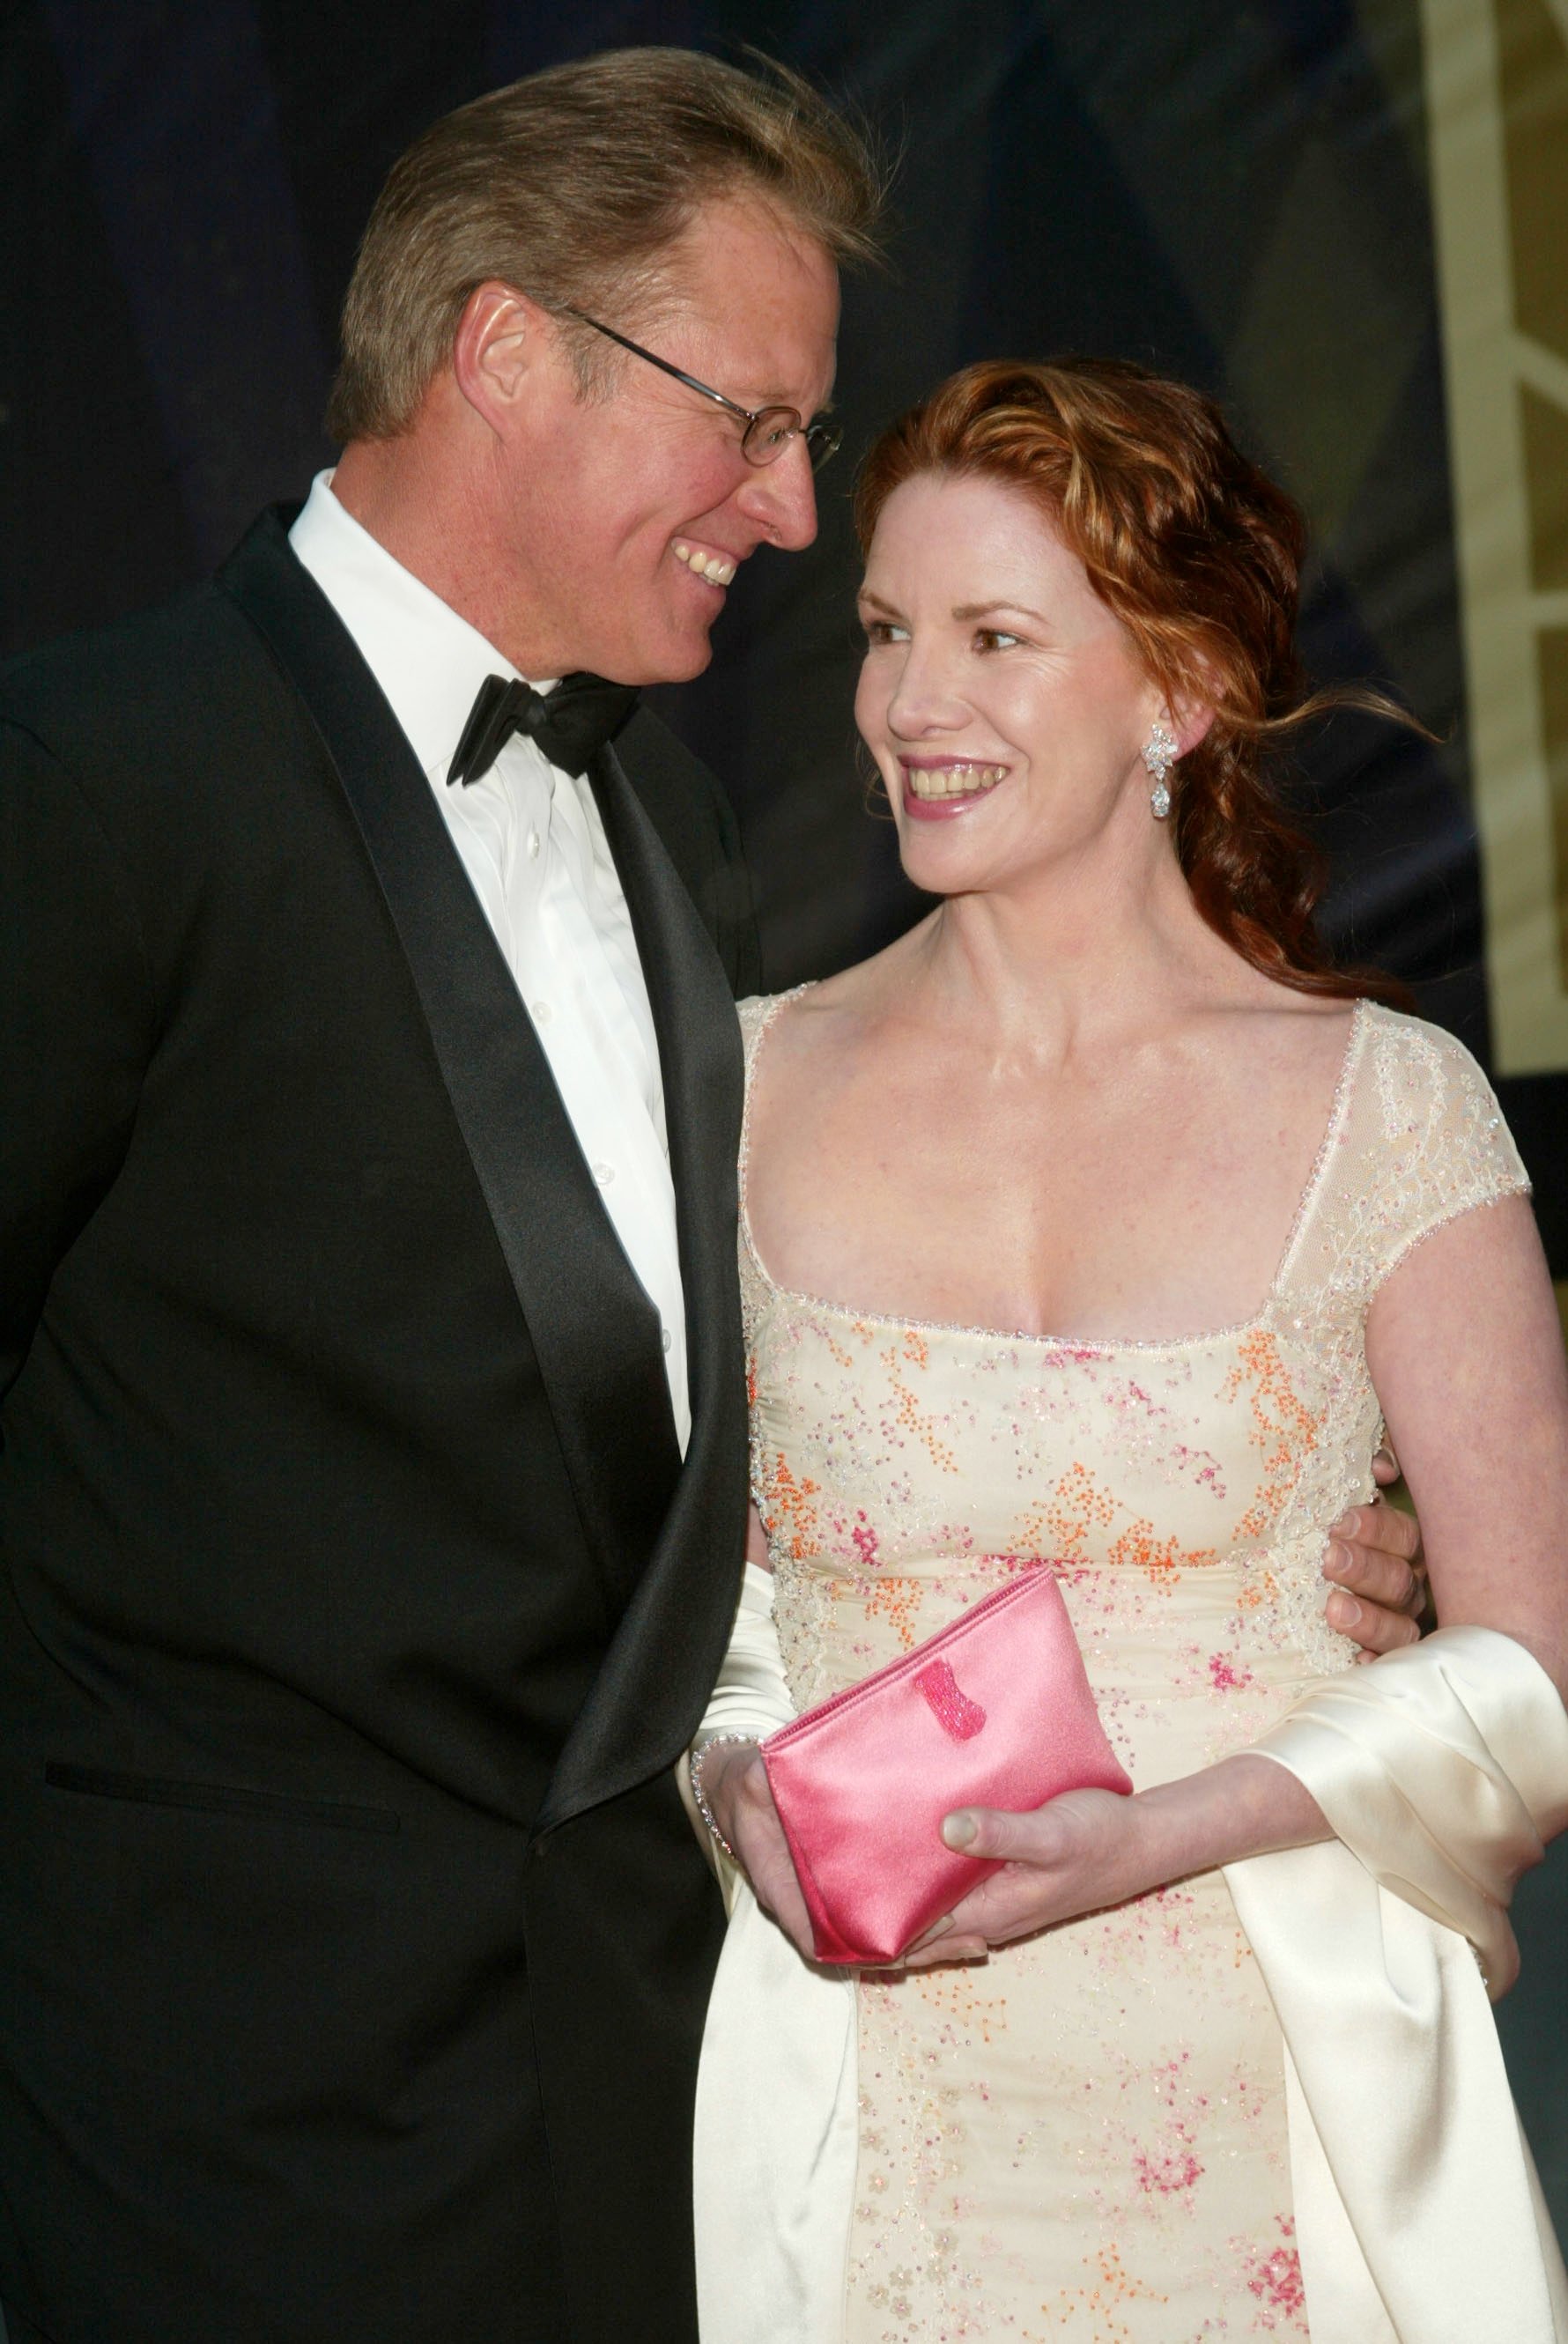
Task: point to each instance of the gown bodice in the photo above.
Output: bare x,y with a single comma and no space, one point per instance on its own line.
892,1454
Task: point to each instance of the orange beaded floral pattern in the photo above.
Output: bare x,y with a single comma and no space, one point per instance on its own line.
1085,2138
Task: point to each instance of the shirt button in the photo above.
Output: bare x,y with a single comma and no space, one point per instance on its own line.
604,1174
541,1012
533,846
666,1338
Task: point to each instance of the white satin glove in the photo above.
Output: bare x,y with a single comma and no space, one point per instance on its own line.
752,1695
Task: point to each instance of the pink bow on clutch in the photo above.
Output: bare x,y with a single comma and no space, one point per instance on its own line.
995,1710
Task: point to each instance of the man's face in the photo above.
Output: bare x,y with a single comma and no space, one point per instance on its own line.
620,504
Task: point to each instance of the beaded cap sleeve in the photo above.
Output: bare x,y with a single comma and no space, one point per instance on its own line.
1419,1141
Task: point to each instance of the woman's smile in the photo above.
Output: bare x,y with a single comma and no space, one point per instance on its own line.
937,788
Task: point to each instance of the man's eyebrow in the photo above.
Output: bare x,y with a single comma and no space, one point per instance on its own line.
757,400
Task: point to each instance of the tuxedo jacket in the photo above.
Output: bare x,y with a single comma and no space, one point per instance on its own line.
353,1942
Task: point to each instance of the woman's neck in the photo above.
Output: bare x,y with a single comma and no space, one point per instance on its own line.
1061,961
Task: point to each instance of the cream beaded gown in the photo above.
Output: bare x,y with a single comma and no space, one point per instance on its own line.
1084,2138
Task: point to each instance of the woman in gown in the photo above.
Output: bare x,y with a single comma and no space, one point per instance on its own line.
1097,1225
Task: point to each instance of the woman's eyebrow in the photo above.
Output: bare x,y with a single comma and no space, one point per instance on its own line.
983,610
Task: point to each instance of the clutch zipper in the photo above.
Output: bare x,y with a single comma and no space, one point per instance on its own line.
911,1664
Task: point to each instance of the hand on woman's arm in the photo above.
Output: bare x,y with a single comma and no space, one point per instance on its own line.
1376,1571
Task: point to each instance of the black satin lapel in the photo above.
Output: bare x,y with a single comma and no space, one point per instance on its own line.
699,1055
665,1654
594,1331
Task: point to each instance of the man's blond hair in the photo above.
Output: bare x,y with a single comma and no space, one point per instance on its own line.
574,185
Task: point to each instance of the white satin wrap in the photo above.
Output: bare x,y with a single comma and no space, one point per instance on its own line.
1419,2220
776,2132
1441,1770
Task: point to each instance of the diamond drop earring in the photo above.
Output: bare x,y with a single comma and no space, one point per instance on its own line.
1158,756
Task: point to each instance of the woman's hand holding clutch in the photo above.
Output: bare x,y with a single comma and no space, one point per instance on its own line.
1090,1849
735,1782
1079,1853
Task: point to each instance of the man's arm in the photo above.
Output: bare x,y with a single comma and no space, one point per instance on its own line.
75,1031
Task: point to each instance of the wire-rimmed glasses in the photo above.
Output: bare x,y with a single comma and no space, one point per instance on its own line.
769,429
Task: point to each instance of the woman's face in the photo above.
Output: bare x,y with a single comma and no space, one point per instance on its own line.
1004,704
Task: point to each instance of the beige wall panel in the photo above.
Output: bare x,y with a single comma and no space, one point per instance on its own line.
1497,99
1532,73
1553,653
1545,429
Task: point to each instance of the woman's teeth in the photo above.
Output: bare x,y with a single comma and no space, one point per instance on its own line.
711,566
953,781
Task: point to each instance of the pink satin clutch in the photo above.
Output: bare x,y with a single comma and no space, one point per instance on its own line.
995,1710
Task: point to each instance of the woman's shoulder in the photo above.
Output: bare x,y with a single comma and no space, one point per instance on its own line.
1420,1140
1426,1083
758,1010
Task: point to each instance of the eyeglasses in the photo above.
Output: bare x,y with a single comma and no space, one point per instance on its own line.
769,429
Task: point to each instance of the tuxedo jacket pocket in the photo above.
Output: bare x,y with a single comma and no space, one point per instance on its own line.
220,1799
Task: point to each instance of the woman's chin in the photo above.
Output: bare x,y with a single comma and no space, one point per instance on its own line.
940,867
941,845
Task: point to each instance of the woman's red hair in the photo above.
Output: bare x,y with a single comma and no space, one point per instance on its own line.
1198,555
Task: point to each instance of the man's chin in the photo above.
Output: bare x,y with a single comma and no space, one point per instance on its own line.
680,661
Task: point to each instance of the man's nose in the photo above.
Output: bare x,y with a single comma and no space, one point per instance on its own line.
780,498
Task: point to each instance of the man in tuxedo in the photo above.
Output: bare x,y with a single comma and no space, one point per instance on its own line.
373,1488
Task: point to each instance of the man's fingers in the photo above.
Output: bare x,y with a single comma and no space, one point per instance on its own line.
1376,1578
1385,1468
1375,1629
1373,1558
1379,1529
1374,1554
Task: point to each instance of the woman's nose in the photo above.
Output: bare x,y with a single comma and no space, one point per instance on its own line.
923,699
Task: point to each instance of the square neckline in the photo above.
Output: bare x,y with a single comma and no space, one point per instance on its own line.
1306,1207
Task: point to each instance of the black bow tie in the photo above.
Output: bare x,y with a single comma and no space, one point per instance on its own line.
571,723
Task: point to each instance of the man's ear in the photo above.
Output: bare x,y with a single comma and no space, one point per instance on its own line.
501,338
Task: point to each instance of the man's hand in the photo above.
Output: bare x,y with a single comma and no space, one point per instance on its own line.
1374,1559
735,1785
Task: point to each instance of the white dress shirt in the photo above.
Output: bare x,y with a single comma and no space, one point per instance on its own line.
535,851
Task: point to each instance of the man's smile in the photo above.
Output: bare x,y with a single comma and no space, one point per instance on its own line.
705,561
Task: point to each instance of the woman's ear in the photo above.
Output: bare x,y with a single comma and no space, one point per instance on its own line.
1191,722
1190,711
